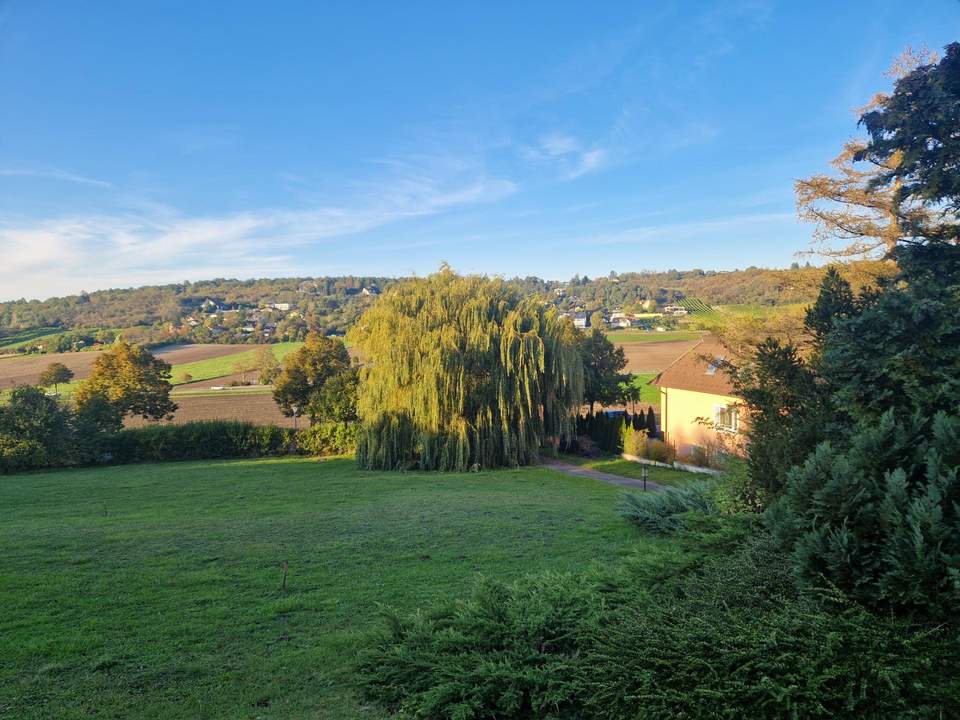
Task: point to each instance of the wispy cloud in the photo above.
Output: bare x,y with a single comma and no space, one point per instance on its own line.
155,243
565,155
697,229
56,174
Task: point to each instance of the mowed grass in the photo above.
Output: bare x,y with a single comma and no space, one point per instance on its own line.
154,591
634,470
649,394
624,337
226,365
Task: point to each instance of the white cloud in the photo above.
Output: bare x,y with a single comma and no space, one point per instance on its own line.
56,174
155,243
565,155
558,144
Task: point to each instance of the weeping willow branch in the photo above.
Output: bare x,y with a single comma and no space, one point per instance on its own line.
463,372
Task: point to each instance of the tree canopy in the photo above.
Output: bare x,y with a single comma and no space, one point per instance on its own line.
602,363
919,126
463,372
55,374
131,379
306,370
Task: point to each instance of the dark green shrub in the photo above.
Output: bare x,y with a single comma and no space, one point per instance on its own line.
880,520
734,490
35,431
734,639
739,641
662,511
208,439
17,454
328,438
506,651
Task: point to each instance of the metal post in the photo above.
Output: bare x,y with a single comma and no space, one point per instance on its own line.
645,473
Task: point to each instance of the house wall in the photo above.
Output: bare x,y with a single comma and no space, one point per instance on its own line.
679,410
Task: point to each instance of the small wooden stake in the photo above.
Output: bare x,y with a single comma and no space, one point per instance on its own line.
284,566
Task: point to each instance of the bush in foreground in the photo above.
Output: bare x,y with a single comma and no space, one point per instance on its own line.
734,639
662,511
328,438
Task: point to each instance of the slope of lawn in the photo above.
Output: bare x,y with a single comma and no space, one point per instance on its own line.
154,591
226,365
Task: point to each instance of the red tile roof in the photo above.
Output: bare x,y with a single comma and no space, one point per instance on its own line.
691,371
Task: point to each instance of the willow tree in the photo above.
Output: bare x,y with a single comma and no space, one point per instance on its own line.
461,373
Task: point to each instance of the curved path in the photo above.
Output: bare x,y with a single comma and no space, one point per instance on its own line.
579,471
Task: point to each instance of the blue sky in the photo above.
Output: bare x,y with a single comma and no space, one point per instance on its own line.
158,142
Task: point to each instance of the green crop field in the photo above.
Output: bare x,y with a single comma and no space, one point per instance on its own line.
625,337
695,306
20,338
155,591
220,366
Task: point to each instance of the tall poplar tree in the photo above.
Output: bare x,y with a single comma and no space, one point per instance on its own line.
463,372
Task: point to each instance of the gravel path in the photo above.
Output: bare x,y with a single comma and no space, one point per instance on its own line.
579,471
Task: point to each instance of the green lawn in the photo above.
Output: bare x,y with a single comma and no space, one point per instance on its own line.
226,365
623,337
649,394
630,469
153,591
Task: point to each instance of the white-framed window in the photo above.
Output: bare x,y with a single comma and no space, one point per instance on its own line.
725,417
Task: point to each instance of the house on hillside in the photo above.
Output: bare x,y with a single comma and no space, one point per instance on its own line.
697,404
581,320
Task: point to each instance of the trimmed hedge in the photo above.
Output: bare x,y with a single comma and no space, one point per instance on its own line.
203,440
328,438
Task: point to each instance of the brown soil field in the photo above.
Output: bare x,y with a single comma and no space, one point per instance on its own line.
25,369
654,356
256,408
178,354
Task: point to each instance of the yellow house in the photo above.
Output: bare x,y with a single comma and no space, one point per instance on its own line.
697,405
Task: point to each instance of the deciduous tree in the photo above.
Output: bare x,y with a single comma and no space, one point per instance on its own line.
55,374
306,370
463,372
131,379
602,363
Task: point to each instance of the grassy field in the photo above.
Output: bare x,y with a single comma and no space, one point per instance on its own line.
625,337
9,343
220,366
649,394
154,591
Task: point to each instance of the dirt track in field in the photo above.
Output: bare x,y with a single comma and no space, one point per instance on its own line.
259,409
654,356
26,369
222,381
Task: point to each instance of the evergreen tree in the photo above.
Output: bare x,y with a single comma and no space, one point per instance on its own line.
881,519
651,423
463,372
834,302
